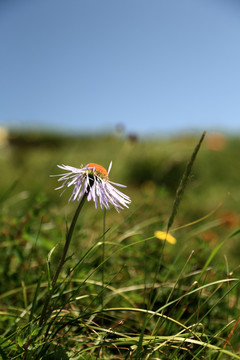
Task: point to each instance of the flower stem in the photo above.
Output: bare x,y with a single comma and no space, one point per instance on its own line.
103,258
62,259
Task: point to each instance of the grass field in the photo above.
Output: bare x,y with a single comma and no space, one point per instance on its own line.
122,293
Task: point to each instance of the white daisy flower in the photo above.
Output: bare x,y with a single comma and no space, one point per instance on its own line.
93,180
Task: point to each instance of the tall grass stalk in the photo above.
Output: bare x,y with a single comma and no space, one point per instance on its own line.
183,182
178,198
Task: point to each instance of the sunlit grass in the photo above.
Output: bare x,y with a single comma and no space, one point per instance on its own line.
144,298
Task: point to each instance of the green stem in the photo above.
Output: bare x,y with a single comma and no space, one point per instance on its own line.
62,259
103,256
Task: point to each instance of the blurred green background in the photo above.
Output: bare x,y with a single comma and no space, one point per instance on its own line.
151,169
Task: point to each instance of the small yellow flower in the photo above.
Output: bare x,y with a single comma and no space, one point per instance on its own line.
162,235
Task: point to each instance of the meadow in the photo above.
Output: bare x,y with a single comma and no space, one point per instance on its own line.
122,292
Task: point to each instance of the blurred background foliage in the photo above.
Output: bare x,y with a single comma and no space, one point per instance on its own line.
151,169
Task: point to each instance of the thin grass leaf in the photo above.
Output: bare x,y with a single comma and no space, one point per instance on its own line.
35,298
49,268
211,257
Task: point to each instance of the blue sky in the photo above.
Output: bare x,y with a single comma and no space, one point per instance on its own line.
155,66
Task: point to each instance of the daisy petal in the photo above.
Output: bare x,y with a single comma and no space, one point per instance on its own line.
93,181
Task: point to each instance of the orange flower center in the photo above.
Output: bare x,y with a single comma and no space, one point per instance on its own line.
100,170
